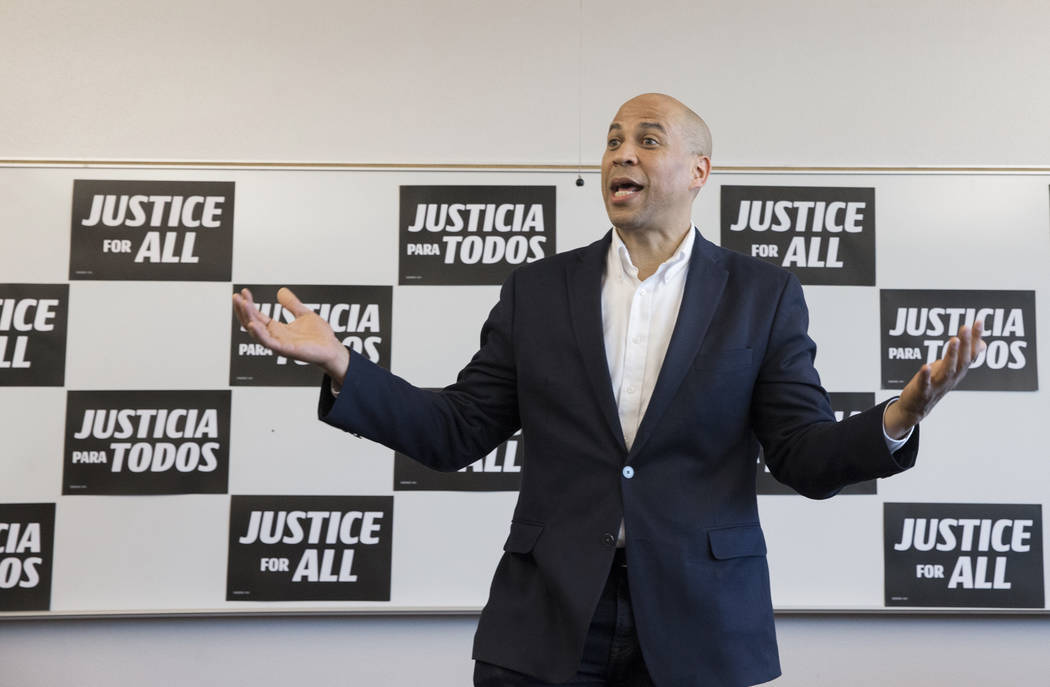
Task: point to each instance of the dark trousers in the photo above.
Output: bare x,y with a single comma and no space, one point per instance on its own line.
611,655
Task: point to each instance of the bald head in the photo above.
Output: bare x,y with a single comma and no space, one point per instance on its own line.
693,127
656,159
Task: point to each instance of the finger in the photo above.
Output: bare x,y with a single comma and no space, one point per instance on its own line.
240,309
926,382
287,299
965,350
978,343
950,360
915,397
254,321
246,310
917,387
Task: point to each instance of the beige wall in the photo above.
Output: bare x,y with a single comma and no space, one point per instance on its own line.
894,82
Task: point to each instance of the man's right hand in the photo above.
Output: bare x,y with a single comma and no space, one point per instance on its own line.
307,338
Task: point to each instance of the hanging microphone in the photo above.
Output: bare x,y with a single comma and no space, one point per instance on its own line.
579,96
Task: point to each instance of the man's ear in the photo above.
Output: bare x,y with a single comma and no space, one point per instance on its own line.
701,171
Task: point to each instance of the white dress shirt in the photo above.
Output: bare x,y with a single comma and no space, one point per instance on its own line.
638,318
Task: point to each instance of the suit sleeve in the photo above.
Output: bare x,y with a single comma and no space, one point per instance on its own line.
805,447
446,429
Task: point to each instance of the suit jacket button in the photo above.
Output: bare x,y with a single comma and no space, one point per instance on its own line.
608,539
628,472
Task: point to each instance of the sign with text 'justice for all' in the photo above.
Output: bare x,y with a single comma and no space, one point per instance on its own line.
310,548
151,230
982,555
33,321
824,235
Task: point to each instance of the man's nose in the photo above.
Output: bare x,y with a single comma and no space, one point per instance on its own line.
625,154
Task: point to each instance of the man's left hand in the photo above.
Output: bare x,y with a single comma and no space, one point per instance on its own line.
933,381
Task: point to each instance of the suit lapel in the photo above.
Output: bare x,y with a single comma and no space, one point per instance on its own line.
703,289
585,294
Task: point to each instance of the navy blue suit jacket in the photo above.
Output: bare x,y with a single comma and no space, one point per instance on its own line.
738,371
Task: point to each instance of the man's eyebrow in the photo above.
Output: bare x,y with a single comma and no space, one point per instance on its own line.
645,125
654,125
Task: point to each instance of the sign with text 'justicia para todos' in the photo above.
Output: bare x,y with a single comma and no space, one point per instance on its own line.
27,541
473,235
147,442
360,316
918,324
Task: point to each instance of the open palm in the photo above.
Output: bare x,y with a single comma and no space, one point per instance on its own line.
308,337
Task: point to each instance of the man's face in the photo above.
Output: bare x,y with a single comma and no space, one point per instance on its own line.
649,175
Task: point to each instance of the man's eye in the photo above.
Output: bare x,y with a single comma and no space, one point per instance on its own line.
613,142
649,141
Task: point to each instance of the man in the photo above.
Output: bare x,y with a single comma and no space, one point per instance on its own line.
642,369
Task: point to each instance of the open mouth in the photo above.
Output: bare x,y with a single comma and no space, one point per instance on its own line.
624,188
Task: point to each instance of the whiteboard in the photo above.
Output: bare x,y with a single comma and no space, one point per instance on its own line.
145,554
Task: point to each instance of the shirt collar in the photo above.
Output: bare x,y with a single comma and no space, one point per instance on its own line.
621,258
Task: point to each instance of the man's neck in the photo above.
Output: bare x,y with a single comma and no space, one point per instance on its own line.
650,249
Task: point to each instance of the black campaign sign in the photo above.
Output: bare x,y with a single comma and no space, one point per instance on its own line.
310,548
473,234
151,230
824,235
33,334
917,325
964,554
27,541
147,442
359,315
500,470
844,404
